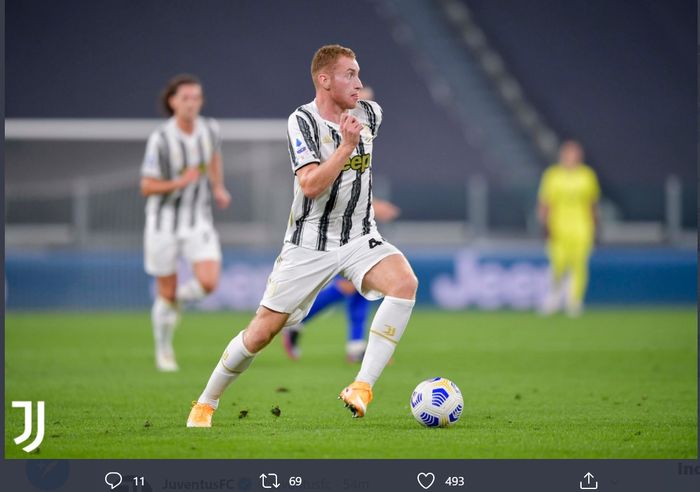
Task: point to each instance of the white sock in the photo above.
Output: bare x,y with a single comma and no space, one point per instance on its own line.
387,327
233,362
190,291
164,318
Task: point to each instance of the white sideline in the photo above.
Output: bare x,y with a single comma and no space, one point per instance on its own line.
252,129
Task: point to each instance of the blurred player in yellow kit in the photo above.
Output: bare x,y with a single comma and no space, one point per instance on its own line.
568,210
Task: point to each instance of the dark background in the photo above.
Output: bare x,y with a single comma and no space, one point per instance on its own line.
619,76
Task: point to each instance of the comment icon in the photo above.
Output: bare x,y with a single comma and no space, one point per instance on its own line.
113,479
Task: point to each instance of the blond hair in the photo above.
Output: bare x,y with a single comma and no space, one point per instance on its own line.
326,56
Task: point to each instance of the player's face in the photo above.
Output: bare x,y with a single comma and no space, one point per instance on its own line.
570,155
187,101
345,83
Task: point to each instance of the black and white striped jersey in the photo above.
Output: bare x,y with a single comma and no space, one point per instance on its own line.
343,211
168,153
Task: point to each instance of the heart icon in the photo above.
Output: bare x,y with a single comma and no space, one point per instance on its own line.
426,480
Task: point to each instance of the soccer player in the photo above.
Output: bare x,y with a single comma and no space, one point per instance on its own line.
356,306
331,231
568,210
181,171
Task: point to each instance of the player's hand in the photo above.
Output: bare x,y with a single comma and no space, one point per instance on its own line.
350,128
189,176
221,197
385,211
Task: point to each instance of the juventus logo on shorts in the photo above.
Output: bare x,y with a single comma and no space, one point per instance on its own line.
373,243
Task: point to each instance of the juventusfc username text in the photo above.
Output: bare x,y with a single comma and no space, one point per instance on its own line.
245,484
204,484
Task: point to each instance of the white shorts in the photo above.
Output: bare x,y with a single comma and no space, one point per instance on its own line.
299,273
162,249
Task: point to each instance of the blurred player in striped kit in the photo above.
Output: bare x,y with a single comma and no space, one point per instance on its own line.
568,210
340,289
331,231
181,172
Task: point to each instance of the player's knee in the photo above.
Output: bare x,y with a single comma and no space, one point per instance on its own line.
263,329
257,338
406,286
346,287
412,284
209,284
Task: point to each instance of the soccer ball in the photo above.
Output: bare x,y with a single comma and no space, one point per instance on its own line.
437,402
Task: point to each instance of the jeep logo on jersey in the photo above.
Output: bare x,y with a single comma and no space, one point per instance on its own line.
359,162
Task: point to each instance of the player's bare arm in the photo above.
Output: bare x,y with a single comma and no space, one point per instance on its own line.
542,213
595,211
315,179
216,178
153,186
543,217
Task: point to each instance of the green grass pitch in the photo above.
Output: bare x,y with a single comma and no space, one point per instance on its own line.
612,384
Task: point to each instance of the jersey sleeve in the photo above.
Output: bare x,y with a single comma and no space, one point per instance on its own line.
303,148
152,164
214,131
375,116
593,186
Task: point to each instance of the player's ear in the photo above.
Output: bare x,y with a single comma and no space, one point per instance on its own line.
324,81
